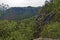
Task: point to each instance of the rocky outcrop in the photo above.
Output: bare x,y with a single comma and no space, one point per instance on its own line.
45,39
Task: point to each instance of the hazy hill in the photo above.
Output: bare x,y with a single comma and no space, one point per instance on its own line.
15,13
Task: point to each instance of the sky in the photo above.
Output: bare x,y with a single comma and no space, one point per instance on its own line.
23,3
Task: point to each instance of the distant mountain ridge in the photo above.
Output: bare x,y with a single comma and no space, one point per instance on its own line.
18,13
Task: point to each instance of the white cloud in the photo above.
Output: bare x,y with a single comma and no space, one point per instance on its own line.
22,3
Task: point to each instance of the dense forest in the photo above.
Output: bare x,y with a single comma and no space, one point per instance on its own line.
50,21
18,23
44,22
17,30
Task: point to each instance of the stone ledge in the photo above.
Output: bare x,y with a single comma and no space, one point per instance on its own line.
45,39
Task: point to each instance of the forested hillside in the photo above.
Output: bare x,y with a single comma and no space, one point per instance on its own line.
17,30
44,22
19,13
50,20
18,23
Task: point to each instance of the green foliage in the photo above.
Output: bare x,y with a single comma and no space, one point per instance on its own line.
6,27
51,30
17,30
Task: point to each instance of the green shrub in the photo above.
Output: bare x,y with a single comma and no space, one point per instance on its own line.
51,30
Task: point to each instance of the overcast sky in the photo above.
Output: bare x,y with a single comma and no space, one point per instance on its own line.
23,3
